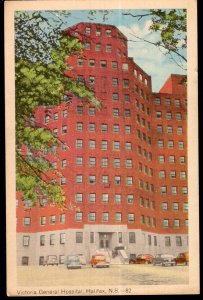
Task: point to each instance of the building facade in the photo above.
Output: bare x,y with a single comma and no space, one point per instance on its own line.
124,166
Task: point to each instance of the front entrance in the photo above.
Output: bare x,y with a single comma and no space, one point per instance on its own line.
104,240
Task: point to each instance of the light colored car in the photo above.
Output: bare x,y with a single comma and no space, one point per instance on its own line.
73,262
164,260
51,260
99,261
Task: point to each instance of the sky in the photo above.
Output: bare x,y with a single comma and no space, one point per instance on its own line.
153,61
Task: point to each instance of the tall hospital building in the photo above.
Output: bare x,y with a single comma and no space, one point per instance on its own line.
125,167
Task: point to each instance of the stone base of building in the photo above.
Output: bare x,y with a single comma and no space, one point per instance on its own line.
88,240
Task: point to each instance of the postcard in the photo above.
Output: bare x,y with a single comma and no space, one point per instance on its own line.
101,148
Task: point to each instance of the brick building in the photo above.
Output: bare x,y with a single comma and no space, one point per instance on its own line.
124,166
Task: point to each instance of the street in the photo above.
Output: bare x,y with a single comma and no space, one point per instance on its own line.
30,276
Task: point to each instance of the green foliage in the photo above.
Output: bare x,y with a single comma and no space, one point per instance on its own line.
41,60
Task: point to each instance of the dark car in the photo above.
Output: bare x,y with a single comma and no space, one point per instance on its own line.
164,260
141,259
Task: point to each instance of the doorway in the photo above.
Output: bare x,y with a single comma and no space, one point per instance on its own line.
104,240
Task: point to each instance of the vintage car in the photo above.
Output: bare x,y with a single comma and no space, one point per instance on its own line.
164,260
99,261
73,262
141,259
182,258
51,260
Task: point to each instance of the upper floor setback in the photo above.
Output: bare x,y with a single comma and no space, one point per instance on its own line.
175,84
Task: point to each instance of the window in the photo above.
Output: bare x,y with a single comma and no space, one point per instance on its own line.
179,130
115,96
175,206
105,179
98,47
105,162
104,127
165,223
116,145
87,46
92,197
138,133
140,166
91,79
26,240
46,119
103,63
131,217
92,179
184,190
128,163
104,145
80,62
52,239
108,32
63,163
92,217
178,241
117,162
78,197
92,161
171,159
92,62
78,216
131,237
117,198
116,128
168,116
167,102
161,159
120,237
114,64
125,67
79,237
105,217
167,241
157,101
105,198
118,217
55,131
55,116
141,201
92,127
115,112
159,128
108,48
80,78
91,111
26,221
52,219
176,223
114,81
62,218
130,198
158,115
172,174
25,261
117,180
62,238
178,116
91,237
98,31
63,181
129,180
163,190
164,206
92,144
42,220
145,82
180,145
185,207
149,240
177,103
127,112
174,190
127,129
79,110
79,161
128,146
79,144
182,159
87,30
162,174
126,83
160,143
54,165
169,129
126,98
63,147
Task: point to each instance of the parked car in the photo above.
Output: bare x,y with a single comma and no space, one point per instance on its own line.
164,260
141,259
51,260
182,258
82,259
99,261
73,262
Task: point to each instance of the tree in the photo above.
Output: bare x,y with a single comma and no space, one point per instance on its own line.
40,62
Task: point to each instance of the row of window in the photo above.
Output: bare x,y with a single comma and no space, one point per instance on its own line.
169,129
175,224
98,47
174,190
172,174
170,144
54,116
104,144
169,116
175,206
171,159
168,101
